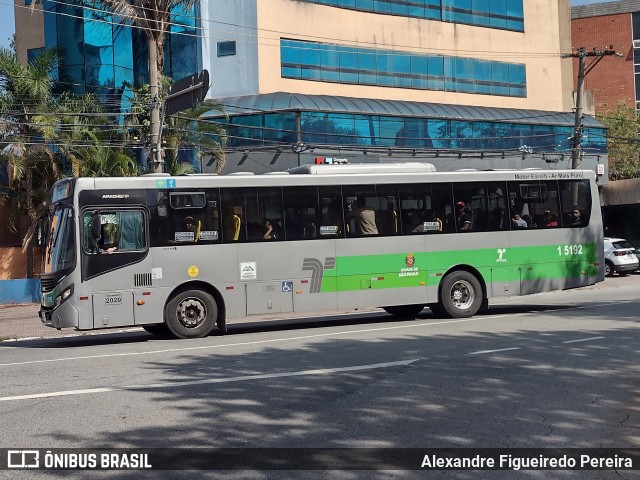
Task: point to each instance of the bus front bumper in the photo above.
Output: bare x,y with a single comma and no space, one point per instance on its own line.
64,316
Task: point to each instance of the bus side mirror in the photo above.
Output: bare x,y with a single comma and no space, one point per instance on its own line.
96,227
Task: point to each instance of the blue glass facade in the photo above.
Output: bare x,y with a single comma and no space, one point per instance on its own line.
101,56
324,62
501,14
345,129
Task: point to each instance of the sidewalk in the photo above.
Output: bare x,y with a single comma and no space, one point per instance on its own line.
21,321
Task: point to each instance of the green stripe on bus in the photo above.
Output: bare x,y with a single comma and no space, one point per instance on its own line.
414,269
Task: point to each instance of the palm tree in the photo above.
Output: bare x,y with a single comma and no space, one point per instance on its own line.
26,96
25,100
184,131
40,130
188,131
97,160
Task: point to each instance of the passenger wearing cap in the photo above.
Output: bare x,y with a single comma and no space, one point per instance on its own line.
463,216
549,219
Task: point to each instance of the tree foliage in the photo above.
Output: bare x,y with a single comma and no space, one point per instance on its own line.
623,144
45,135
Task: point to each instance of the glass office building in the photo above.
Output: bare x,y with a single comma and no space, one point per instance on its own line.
102,56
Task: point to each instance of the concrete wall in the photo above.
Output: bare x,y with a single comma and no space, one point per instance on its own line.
546,25
30,28
13,263
621,192
26,290
231,20
14,287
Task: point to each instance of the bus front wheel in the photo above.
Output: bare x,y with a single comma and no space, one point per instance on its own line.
461,295
191,314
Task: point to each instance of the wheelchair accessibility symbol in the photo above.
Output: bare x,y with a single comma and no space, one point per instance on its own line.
287,287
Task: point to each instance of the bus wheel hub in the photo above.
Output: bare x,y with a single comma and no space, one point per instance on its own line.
462,294
191,313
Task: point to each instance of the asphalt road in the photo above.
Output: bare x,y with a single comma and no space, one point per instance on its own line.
550,370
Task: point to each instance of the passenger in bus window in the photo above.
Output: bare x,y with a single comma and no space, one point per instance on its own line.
269,231
110,233
416,225
366,217
192,225
518,221
576,218
549,219
231,223
463,216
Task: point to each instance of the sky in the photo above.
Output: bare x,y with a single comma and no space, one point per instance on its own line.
7,25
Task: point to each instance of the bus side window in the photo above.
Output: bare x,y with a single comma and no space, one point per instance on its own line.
575,197
301,212
113,231
332,222
231,221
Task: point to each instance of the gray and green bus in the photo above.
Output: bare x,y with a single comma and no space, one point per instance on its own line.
181,255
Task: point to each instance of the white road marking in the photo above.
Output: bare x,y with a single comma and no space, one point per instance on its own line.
305,337
584,340
257,342
493,351
323,371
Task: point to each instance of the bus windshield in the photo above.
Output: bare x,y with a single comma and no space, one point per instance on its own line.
59,252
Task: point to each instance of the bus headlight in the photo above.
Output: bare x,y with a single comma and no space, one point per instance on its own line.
63,296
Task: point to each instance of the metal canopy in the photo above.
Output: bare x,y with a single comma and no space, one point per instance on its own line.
293,102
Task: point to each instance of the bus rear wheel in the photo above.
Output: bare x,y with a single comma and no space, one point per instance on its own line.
461,295
404,311
191,314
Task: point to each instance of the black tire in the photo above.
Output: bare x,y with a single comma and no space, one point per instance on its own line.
157,329
404,311
484,307
191,314
461,295
222,324
608,269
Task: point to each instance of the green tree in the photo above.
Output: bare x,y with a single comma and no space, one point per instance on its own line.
25,101
183,131
187,131
623,144
26,96
42,131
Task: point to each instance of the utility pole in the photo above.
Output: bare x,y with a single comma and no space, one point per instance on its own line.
155,147
583,70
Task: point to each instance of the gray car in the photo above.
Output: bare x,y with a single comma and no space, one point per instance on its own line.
620,257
